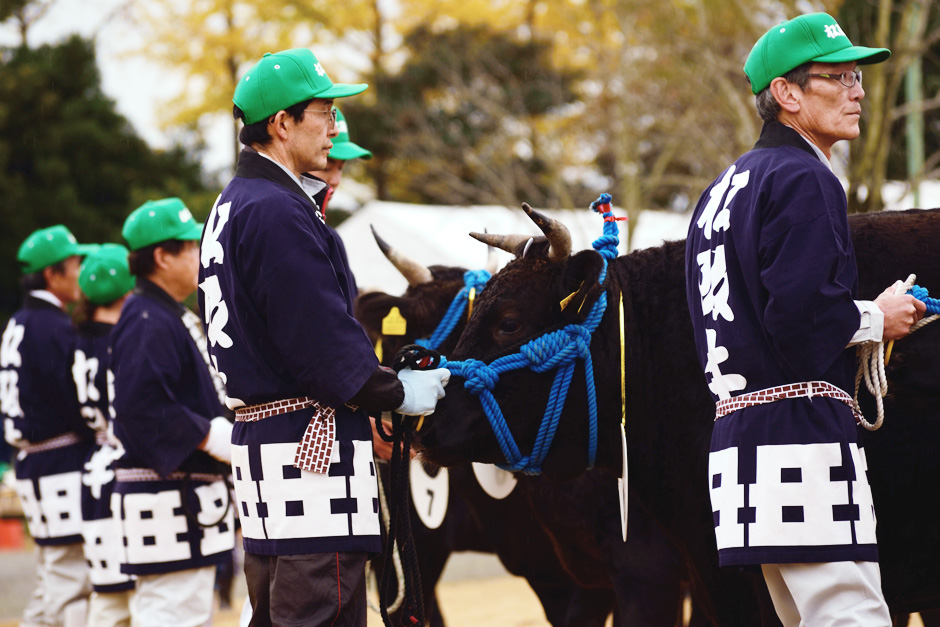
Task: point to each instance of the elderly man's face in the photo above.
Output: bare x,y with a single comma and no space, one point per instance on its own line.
830,111
310,139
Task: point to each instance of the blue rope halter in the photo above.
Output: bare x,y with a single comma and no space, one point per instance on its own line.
557,350
472,280
920,293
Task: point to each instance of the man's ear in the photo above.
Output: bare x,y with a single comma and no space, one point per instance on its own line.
788,95
160,255
580,285
277,124
47,274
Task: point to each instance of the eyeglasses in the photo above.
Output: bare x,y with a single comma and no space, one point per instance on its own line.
331,113
848,78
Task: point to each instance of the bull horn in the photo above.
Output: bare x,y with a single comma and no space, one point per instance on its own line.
556,232
414,272
514,244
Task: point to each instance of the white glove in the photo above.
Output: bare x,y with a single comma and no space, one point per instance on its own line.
218,442
422,389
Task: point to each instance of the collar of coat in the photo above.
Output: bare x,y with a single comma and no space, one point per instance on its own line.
34,302
148,288
251,165
775,134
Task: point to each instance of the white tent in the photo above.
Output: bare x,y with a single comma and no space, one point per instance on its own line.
439,235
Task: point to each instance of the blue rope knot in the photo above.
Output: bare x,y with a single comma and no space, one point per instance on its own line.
555,349
475,279
479,376
921,294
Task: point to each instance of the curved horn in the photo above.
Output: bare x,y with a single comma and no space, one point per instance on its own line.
513,243
557,234
414,272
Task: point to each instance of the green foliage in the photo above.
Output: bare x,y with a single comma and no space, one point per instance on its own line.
459,123
66,155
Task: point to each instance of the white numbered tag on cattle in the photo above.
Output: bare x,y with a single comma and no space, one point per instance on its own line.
429,494
622,485
496,482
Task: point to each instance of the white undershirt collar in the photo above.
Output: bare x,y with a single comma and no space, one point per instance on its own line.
47,296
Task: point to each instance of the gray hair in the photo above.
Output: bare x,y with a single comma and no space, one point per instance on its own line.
767,106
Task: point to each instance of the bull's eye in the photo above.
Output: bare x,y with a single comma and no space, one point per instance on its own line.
509,326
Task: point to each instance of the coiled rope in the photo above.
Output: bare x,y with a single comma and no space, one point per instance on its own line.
474,281
557,350
396,556
871,365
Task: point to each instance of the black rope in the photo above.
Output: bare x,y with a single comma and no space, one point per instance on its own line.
399,515
399,530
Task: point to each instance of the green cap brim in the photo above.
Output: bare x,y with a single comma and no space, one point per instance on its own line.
341,90
194,232
86,249
860,54
346,151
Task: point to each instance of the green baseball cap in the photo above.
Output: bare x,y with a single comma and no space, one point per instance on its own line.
813,37
343,149
105,275
48,246
283,79
158,221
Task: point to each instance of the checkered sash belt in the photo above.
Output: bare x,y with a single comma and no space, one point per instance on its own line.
128,475
59,441
316,445
794,390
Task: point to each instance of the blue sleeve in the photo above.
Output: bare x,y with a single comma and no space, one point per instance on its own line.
287,268
808,270
151,365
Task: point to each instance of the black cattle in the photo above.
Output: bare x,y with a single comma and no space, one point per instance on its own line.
669,413
568,549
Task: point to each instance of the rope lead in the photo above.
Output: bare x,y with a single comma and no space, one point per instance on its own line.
872,355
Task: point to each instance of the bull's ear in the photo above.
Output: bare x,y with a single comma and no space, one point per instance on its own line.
381,314
579,285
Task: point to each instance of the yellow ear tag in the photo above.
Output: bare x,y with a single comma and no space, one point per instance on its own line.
394,323
378,349
567,299
470,298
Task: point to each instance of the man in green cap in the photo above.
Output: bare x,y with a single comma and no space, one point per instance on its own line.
772,285
41,418
169,415
105,280
276,300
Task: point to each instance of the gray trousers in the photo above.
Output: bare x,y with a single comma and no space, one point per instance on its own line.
327,589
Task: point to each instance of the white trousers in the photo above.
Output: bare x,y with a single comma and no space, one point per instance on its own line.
61,580
182,599
828,594
109,609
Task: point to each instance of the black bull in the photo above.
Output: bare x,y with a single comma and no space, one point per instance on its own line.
669,413
572,562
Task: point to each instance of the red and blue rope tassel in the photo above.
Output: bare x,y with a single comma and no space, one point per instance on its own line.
602,206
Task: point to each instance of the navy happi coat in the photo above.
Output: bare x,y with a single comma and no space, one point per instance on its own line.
103,542
38,401
276,297
164,398
771,283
